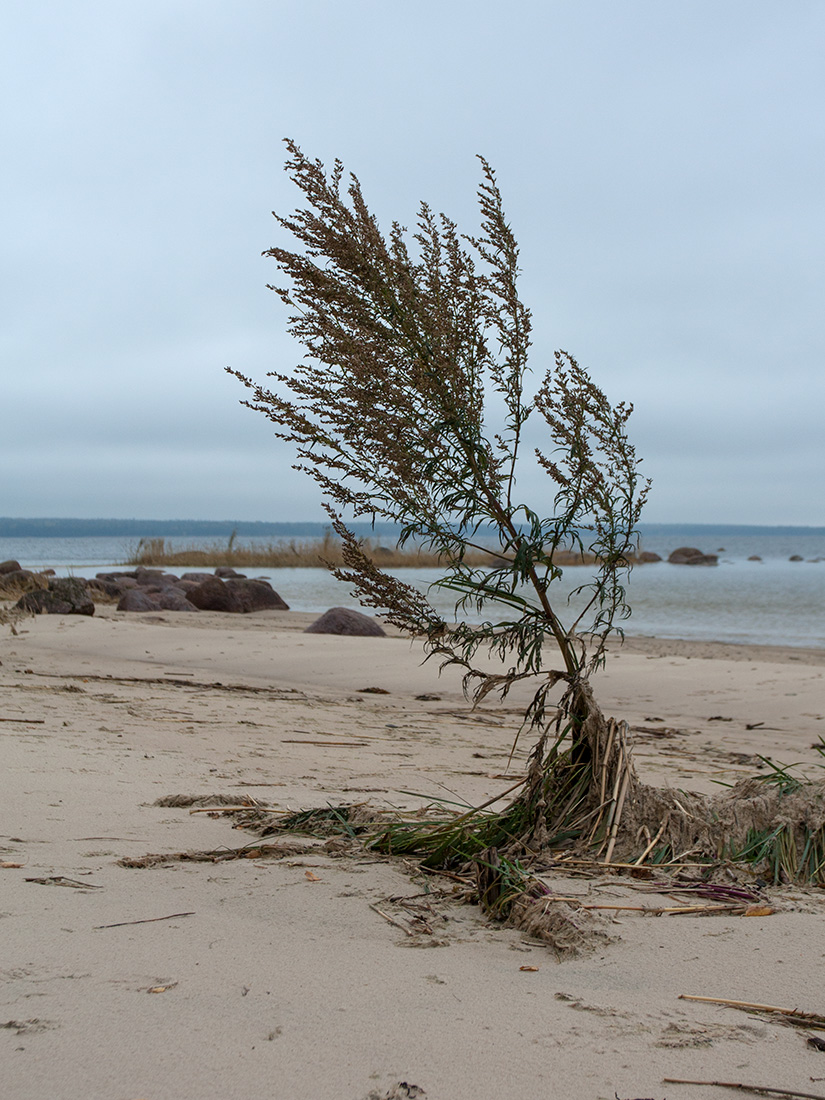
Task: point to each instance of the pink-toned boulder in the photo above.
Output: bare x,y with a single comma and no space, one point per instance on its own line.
689,555
343,620
100,589
138,599
214,595
255,595
173,599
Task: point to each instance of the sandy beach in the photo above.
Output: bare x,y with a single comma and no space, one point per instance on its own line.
287,977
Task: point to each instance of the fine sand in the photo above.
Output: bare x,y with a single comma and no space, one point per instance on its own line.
280,978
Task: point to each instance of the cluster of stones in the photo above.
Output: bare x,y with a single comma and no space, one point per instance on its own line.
224,590
140,590
154,590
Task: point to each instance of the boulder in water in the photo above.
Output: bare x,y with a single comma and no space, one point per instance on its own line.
689,555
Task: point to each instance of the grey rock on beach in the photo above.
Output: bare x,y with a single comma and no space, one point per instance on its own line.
344,620
64,596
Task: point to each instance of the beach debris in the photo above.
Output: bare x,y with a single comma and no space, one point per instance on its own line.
206,800
308,875
531,969
161,988
24,1027
217,855
8,864
27,721
342,744
217,685
685,910
391,920
786,1015
428,697
374,691
61,880
763,1090
399,1091
145,920
817,1043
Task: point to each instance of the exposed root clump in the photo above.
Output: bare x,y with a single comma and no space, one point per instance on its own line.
184,801
568,929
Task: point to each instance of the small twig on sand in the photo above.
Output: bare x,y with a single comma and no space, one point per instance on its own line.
146,920
234,809
791,1015
465,880
344,744
765,1090
61,880
391,920
657,911
28,721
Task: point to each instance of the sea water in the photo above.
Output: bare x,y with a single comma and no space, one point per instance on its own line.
770,602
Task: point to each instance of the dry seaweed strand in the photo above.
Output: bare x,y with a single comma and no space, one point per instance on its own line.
787,1015
763,1090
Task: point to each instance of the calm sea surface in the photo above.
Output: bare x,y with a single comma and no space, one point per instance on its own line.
772,602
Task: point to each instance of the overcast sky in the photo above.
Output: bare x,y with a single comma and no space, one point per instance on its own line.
662,164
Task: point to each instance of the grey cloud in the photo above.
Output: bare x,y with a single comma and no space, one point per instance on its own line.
662,165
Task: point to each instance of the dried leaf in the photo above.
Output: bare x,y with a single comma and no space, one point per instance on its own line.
9,864
530,968
758,911
312,878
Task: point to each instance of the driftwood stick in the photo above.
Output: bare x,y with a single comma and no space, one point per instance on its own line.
655,910
391,920
146,920
28,721
764,1089
614,826
233,809
346,744
651,845
792,1015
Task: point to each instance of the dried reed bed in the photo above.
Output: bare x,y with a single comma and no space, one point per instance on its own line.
308,553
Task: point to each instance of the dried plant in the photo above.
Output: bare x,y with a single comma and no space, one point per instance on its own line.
410,405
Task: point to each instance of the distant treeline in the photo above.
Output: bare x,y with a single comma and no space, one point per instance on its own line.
168,528
195,528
